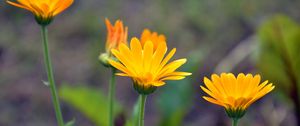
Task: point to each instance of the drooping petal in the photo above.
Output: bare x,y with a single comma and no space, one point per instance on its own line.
20,5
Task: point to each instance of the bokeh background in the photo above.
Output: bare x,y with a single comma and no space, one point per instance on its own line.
249,36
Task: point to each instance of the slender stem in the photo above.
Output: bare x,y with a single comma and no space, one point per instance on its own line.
234,122
48,64
112,88
142,109
137,116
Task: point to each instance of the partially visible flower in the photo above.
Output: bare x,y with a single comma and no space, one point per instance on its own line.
153,37
147,67
236,94
43,10
116,34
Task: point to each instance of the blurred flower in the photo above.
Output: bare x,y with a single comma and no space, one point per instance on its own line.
116,34
43,10
153,37
147,67
236,94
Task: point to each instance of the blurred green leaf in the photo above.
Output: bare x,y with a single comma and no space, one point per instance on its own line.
133,121
71,123
174,102
89,101
177,96
279,52
45,83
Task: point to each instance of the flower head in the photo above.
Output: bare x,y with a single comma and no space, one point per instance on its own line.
236,94
116,34
147,67
43,10
153,37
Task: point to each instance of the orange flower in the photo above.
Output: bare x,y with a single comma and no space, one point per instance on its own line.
116,35
147,67
44,10
153,37
235,93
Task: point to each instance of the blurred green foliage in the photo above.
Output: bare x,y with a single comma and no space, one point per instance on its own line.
279,57
176,98
133,120
71,123
91,102
279,52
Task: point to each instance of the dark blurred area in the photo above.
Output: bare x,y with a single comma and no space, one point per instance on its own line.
215,35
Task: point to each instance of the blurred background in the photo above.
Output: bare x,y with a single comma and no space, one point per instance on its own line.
257,36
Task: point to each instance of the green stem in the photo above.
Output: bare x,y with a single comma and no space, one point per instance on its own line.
112,88
235,122
48,64
137,115
142,109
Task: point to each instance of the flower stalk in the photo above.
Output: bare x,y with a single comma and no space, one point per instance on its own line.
52,86
112,89
235,121
142,109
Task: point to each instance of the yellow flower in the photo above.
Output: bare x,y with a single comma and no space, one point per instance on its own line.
236,94
116,35
153,37
44,10
147,67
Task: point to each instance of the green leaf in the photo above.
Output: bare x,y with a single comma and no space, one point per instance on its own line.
71,123
45,83
174,102
89,101
278,58
133,121
176,96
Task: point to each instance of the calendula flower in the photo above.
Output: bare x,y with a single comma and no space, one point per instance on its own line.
147,67
236,94
153,37
43,10
116,34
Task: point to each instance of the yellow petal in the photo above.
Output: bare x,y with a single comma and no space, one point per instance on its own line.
179,74
120,67
173,78
19,5
212,87
212,94
158,84
166,59
171,67
122,74
158,57
213,101
147,56
124,59
64,5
